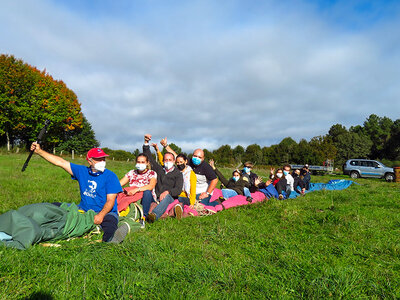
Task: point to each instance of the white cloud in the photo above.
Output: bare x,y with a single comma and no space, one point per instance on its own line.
208,79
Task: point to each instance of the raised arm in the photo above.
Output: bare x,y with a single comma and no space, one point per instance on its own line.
218,173
164,143
159,154
146,150
53,159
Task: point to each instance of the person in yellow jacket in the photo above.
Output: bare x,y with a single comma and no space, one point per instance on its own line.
188,195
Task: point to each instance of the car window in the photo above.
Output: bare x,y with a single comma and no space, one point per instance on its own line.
375,164
354,163
366,164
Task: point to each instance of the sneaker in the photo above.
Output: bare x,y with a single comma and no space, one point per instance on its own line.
249,199
120,233
142,222
221,199
280,197
178,211
151,218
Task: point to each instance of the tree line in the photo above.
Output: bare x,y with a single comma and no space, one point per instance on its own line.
378,138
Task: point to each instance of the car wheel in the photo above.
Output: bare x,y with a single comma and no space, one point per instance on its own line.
354,175
389,176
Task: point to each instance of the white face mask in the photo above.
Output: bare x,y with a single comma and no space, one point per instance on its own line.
100,166
141,167
168,165
279,175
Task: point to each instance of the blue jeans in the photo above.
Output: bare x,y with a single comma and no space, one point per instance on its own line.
162,206
228,193
206,201
147,198
184,200
246,192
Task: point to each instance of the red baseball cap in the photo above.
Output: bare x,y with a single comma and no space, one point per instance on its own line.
96,153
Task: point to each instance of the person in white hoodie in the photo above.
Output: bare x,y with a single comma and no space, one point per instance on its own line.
289,179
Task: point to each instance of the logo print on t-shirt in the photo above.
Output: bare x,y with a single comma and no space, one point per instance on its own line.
92,185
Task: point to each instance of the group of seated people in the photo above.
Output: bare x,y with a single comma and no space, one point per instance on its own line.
174,177
173,184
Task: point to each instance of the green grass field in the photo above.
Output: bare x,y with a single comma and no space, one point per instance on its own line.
327,244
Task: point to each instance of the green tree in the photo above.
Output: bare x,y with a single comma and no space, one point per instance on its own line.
224,155
378,129
80,140
335,131
238,153
286,148
254,154
352,145
392,147
28,97
207,155
323,147
304,154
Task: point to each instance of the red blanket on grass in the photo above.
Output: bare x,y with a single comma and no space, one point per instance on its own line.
123,200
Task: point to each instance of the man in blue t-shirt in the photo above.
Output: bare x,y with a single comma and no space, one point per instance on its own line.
98,187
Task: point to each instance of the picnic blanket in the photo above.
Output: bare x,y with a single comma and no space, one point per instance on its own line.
332,185
234,201
39,222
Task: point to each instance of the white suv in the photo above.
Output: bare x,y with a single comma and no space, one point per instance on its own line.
367,168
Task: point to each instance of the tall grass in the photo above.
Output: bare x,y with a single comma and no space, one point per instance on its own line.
327,244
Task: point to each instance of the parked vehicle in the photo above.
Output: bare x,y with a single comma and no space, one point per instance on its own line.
367,168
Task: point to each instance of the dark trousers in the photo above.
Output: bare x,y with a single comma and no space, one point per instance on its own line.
146,202
206,201
184,200
109,226
281,186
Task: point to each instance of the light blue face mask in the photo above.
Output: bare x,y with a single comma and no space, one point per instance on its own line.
196,161
285,172
235,178
246,170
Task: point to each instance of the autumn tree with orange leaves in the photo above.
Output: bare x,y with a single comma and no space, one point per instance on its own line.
28,97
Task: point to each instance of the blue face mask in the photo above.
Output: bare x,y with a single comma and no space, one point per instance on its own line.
246,170
196,161
235,178
285,172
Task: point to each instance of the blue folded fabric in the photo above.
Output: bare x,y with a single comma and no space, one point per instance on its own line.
332,185
5,237
270,191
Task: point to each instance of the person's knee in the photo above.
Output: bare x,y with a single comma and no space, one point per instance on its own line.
147,193
147,196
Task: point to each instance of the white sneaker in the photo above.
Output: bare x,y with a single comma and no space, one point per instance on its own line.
121,233
178,211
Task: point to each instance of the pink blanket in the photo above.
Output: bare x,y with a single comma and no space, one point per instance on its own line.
124,200
229,203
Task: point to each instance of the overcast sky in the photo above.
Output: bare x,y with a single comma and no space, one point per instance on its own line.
208,73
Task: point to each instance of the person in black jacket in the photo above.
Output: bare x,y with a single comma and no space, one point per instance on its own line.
305,176
298,182
247,172
169,181
235,185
